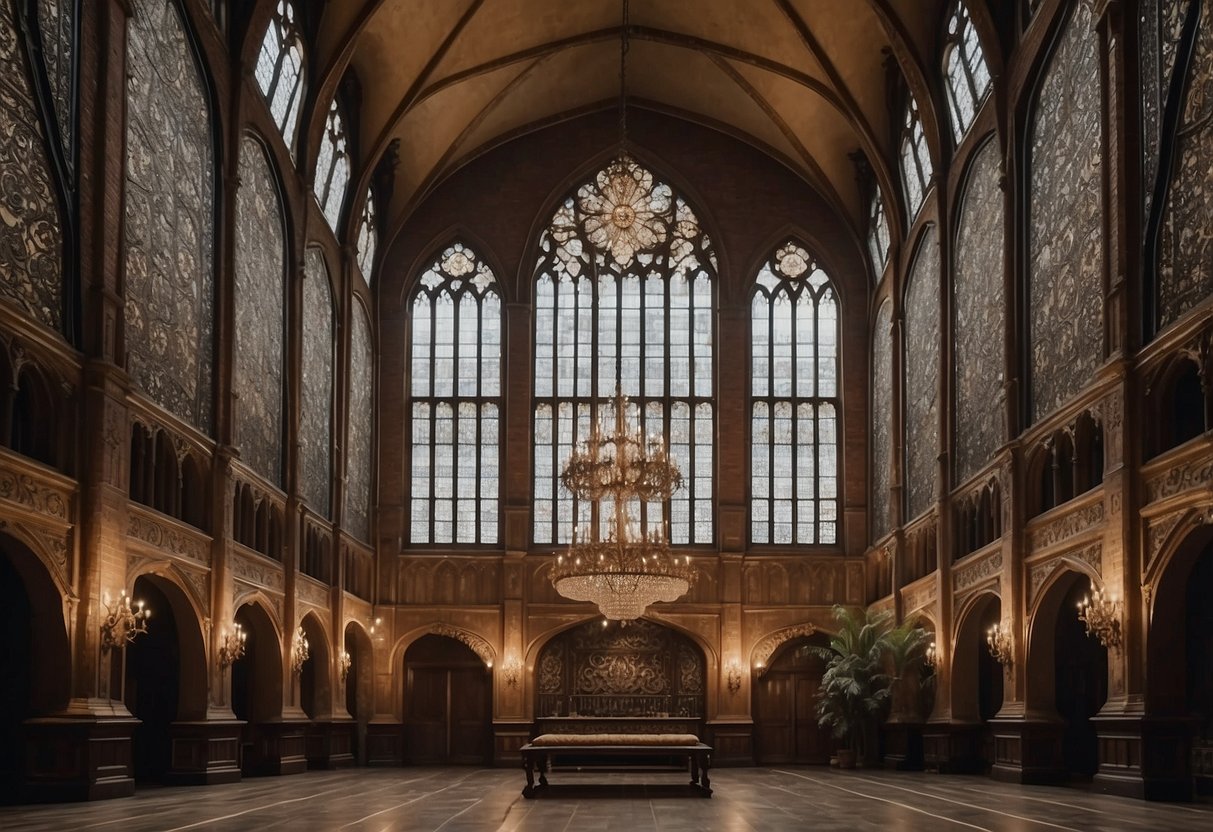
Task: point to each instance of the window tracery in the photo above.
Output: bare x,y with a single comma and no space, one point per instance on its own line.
965,73
279,70
368,236
31,235
878,234
627,310
455,390
332,168
916,170
169,209
794,402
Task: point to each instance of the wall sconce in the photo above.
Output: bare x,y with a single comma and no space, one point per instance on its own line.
374,626
1101,614
733,676
122,624
511,671
299,651
999,642
344,663
231,646
931,657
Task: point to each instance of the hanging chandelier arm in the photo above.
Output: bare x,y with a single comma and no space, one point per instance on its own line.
623,78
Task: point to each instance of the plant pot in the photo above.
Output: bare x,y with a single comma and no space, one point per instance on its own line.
846,758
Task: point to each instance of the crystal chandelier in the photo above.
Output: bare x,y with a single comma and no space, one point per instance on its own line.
1101,615
620,568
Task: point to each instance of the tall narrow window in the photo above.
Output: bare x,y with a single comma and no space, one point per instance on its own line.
964,71
623,299
456,401
794,402
878,235
368,236
332,168
916,170
279,71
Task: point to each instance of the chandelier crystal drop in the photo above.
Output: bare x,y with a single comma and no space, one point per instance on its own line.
624,570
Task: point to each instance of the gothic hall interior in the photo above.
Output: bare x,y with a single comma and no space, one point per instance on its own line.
390,383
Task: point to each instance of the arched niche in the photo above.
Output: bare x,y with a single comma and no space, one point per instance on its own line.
1056,600
643,669
257,678
315,677
976,678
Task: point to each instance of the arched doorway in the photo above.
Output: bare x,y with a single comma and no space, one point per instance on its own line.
447,703
1178,763
976,687
785,706
315,686
256,681
358,680
34,666
1080,668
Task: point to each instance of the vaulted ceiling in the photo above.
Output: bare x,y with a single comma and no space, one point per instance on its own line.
805,80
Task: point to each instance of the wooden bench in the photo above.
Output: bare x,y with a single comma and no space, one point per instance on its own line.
538,753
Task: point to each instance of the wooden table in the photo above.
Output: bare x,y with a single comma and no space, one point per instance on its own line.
538,757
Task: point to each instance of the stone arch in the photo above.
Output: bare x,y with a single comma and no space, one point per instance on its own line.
1166,591
262,667
479,645
50,670
188,616
1042,625
965,662
765,649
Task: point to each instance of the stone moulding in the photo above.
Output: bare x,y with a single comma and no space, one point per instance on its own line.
1088,560
1071,524
478,645
972,574
767,645
165,537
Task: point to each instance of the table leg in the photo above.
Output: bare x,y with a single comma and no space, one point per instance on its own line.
544,765
695,768
706,764
528,763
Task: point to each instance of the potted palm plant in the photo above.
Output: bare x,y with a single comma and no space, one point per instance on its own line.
854,687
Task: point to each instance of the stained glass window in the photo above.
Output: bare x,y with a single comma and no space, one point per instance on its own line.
916,170
878,235
279,71
368,236
332,167
964,70
623,299
455,390
794,402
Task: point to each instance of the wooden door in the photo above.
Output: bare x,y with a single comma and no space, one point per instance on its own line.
470,713
785,711
447,704
426,716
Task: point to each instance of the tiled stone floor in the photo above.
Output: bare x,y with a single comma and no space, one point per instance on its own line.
461,799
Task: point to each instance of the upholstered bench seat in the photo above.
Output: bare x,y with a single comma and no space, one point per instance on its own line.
538,753
579,740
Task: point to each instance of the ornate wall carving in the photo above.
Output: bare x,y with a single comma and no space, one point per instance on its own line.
643,669
760,656
922,376
1065,257
974,573
1185,245
31,234
429,581
260,308
1038,575
1189,474
882,418
254,571
1161,22
316,411
478,645
169,216
798,581
980,310
32,495
142,526
1070,525
56,23
361,427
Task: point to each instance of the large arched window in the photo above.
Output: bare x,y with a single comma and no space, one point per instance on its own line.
279,70
623,298
368,236
916,170
794,402
332,167
964,71
456,401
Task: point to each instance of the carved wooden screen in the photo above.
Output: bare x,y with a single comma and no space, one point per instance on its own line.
31,233
169,216
979,310
882,418
641,670
361,426
260,299
316,393
922,376
1065,251
1185,234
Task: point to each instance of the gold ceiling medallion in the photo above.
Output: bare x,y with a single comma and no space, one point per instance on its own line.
612,561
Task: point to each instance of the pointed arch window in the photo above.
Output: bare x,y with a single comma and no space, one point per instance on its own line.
878,234
965,73
455,390
916,170
332,167
794,402
368,236
624,298
279,71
